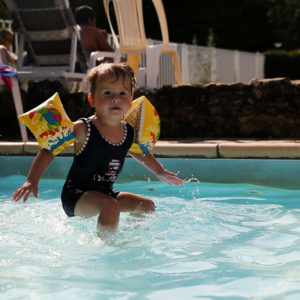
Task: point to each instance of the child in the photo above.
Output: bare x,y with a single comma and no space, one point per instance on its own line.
102,142
6,56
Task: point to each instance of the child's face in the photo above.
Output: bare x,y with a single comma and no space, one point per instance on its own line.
112,98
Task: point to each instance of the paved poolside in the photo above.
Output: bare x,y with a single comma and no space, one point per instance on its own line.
221,148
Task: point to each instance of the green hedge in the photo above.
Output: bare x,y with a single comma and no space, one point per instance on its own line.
282,63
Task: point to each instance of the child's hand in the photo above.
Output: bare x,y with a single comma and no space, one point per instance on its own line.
25,190
169,177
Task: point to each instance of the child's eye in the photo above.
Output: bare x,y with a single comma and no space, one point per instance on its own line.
107,93
124,93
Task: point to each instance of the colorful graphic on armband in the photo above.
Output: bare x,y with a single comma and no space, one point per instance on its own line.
50,125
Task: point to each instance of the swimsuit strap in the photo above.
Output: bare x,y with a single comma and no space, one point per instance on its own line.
88,134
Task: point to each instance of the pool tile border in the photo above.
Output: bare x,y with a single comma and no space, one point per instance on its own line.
285,149
260,149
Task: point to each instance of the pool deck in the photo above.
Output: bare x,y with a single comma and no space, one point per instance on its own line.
214,149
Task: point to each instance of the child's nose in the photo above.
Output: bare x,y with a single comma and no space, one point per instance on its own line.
115,96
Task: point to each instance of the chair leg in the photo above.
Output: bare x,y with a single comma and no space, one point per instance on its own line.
176,65
19,107
134,62
152,69
153,55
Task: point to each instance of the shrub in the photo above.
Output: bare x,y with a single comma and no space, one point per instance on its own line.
282,63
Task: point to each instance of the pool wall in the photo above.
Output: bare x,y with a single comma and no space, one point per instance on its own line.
273,163
270,172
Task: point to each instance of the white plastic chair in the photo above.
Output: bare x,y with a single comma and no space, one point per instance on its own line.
132,39
154,51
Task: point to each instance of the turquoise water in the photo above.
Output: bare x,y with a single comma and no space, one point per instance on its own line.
204,241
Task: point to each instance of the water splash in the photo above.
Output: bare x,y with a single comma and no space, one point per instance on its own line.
192,179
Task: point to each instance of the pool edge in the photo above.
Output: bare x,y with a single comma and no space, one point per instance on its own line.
225,148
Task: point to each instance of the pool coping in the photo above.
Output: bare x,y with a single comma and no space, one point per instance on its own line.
213,148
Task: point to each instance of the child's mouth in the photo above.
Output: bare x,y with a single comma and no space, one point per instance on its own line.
115,108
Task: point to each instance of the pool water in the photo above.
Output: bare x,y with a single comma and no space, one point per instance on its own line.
204,241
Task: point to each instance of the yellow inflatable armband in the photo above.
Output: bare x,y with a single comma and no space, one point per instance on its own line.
145,120
50,125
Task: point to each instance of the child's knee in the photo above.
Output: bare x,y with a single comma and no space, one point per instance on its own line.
112,207
148,205
152,205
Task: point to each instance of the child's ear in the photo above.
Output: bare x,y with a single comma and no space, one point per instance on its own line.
91,99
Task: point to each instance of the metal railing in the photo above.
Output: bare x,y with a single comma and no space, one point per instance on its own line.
6,24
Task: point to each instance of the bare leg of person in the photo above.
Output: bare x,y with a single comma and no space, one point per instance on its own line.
132,202
93,203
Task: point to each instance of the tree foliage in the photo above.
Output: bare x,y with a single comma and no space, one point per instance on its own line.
249,25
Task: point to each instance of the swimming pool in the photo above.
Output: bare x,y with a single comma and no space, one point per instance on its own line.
207,239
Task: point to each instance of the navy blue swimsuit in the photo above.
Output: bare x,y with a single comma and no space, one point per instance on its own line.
96,166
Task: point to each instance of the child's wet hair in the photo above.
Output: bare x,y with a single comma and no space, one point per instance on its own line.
111,70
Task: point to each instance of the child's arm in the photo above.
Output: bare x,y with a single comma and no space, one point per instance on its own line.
39,165
157,168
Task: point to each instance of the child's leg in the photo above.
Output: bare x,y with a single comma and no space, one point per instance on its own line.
131,202
93,203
